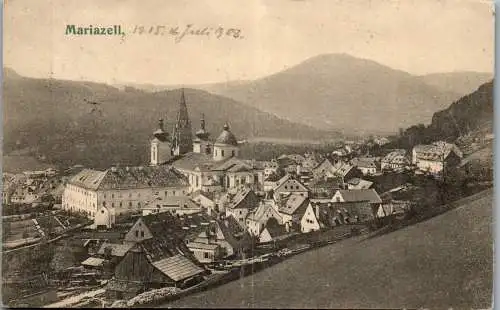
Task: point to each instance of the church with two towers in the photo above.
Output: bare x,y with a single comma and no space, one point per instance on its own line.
210,165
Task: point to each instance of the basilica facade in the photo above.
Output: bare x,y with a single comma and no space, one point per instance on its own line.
210,165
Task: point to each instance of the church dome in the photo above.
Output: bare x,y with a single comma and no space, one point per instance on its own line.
202,134
227,137
160,133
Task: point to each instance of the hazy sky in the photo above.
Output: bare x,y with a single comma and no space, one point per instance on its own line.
418,36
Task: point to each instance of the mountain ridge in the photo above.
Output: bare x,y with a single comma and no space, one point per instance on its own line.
51,118
343,92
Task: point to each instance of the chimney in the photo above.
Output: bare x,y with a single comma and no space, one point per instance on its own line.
287,227
317,211
160,125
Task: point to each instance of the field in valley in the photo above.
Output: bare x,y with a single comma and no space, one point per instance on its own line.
440,263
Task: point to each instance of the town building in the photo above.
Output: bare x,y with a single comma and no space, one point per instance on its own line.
121,190
396,159
272,233
436,157
175,204
366,165
241,204
288,185
292,209
365,201
340,170
310,220
257,219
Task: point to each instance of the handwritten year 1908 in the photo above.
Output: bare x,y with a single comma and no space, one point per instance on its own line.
189,30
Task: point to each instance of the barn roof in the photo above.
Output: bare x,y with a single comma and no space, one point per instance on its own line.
178,267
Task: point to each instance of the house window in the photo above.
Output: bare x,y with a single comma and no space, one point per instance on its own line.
137,233
166,193
205,254
104,203
173,193
232,153
120,203
112,195
207,150
130,203
142,233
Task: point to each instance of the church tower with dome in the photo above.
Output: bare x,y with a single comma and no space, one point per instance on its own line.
161,148
226,145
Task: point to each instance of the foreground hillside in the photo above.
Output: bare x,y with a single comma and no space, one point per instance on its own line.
441,263
51,119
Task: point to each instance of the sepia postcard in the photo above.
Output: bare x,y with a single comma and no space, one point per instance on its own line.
248,154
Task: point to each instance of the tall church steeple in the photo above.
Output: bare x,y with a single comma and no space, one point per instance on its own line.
182,142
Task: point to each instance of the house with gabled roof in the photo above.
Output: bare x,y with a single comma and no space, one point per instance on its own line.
153,263
241,204
292,209
257,219
367,165
356,197
273,233
310,220
288,185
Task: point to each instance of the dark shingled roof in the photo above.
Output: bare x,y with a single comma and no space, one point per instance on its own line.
129,177
355,195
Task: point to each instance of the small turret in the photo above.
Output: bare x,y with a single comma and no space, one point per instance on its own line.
201,144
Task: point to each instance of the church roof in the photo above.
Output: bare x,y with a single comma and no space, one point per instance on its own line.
191,160
227,137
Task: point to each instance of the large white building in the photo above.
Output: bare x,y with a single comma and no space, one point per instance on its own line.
121,190
435,157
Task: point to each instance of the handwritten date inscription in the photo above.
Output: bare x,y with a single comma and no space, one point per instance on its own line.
179,33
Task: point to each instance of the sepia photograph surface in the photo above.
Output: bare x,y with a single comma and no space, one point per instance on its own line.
248,154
